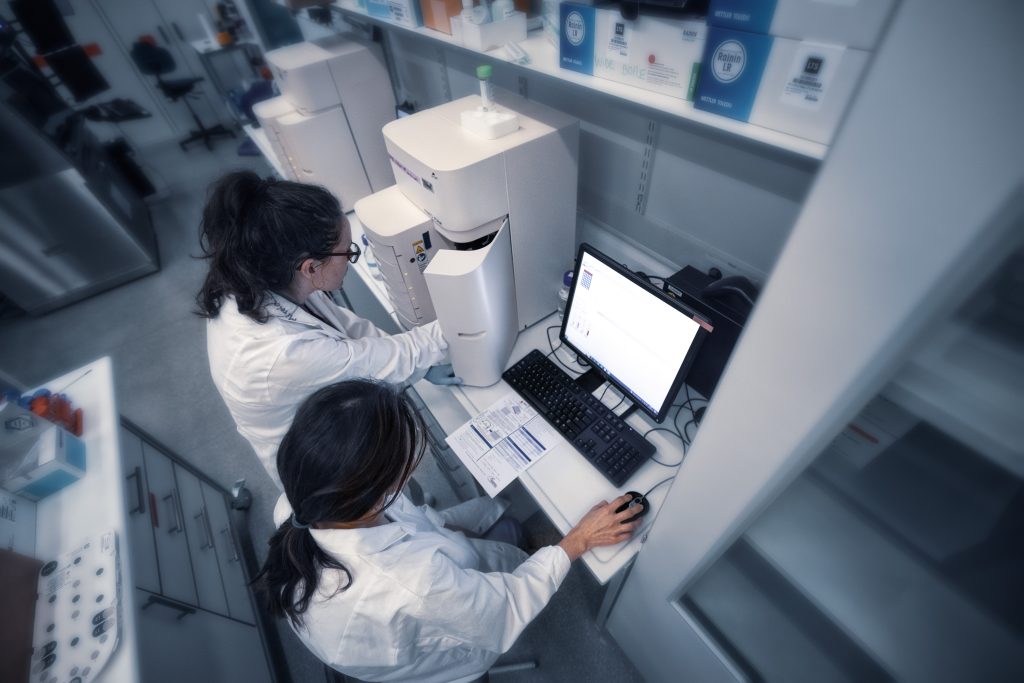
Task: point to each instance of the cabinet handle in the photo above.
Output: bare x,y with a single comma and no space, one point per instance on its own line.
183,610
140,506
181,36
226,532
441,460
174,504
204,526
163,34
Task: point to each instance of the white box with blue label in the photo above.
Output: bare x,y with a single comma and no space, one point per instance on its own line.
578,24
653,53
795,87
402,12
47,463
853,23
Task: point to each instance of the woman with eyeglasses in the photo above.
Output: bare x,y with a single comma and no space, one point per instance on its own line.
274,336
379,588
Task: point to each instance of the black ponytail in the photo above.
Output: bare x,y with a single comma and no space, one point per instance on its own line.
255,233
351,447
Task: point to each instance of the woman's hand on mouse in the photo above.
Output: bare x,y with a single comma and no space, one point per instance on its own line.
601,526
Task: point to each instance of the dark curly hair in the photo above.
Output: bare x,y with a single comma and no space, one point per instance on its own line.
255,233
351,446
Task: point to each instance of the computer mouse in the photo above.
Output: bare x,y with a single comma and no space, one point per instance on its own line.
636,501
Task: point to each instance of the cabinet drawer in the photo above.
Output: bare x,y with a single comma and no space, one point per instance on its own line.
138,502
201,539
181,644
236,585
169,528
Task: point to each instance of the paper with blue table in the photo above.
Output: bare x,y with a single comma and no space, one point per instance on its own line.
502,441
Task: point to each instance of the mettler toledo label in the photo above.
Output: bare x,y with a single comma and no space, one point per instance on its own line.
731,72
576,45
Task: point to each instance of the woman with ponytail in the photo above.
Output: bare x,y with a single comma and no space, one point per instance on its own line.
275,248
380,589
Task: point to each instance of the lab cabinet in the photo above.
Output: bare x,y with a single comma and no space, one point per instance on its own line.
168,523
140,526
229,557
181,644
205,568
195,612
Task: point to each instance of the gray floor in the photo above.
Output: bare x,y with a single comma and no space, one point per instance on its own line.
163,385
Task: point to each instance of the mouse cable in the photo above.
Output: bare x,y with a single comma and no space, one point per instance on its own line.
686,429
644,528
673,433
675,423
663,481
552,352
690,399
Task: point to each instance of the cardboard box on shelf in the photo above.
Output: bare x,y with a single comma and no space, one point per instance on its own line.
402,12
438,14
795,87
493,34
851,23
653,53
54,460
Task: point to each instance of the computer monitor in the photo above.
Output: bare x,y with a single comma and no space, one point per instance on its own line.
76,71
639,338
43,22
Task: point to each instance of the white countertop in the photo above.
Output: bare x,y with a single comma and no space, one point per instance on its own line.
563,483
95,503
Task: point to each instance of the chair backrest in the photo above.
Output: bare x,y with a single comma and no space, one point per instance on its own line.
152,60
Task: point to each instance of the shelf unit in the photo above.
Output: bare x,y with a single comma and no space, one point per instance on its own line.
544,61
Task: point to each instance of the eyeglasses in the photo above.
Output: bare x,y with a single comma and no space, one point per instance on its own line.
352,254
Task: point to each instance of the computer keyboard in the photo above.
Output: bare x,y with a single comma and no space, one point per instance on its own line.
601,436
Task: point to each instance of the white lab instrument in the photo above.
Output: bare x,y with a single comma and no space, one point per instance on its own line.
325,127
404,242
506,210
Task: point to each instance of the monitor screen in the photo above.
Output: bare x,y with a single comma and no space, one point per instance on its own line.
638,337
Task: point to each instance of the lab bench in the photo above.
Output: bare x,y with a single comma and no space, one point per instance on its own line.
186,610
564,485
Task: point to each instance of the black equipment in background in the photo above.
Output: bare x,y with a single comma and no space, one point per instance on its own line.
42,21
630,9
726,306
76,71
154,60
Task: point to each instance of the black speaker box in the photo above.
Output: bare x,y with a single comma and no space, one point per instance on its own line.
727,314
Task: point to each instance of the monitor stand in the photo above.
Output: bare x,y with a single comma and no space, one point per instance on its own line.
592,379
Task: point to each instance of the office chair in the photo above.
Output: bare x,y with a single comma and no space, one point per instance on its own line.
153,60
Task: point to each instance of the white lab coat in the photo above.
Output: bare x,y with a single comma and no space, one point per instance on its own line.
264,371
426,604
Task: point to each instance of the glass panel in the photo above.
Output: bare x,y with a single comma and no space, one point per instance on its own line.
899,554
